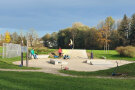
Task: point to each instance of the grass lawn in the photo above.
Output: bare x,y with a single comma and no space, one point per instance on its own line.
6,63
1,49
128,69
111,55
42,81
47,51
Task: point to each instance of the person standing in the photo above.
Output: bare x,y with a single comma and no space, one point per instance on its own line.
60,52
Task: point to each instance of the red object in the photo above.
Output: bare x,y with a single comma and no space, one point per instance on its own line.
60,50
66,68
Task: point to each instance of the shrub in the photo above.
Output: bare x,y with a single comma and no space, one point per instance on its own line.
43,50
128,51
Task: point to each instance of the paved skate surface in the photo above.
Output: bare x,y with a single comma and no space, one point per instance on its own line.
77,62
74,64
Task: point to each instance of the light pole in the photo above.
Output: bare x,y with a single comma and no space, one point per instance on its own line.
21,53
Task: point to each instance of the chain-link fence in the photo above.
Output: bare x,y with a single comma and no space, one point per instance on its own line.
12,50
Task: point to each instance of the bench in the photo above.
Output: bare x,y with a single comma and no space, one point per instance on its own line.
55,62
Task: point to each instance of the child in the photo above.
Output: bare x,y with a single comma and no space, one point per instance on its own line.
60,52
33,53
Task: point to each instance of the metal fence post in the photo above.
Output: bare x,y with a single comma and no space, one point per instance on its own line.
21,54
3,51
27,55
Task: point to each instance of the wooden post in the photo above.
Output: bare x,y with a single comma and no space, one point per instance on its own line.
27,55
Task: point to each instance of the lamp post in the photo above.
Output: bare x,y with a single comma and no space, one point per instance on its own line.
21,53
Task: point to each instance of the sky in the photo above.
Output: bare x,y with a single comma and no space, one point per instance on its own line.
47,16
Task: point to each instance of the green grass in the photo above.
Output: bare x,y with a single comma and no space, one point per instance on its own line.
42,81
111,55
1,49
125,69
6,63
47,51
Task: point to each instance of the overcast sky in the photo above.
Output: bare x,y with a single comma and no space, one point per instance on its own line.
47,16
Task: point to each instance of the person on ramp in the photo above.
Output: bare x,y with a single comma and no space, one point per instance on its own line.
71,44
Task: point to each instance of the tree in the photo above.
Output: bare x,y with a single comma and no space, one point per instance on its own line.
101,24
7,37
123,31
46,37
64,37
1,39
105,34
32,37
132,31
75,27
91,39
14,37
114,39
109,22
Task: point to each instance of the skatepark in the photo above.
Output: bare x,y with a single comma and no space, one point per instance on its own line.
78,62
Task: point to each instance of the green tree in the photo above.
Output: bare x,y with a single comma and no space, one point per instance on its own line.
132,31
14,37
91,39
109,22
114,39
123,31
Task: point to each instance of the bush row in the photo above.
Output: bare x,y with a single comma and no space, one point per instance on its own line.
43,50
128,51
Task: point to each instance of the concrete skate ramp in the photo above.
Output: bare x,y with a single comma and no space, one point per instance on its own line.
76,53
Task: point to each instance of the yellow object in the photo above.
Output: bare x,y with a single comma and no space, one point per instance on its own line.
7,37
